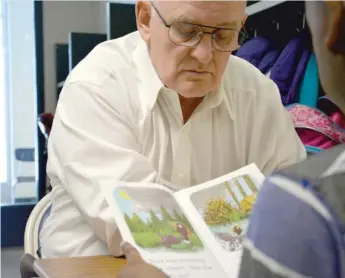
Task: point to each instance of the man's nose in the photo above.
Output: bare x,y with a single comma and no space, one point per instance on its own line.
203,51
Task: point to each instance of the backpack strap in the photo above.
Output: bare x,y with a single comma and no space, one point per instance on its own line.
315,119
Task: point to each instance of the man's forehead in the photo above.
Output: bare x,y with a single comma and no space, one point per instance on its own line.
201,4
228,12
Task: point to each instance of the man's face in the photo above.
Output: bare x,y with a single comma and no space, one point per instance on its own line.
192,72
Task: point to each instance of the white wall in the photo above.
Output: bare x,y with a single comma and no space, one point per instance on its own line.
3,105
60,18
20,86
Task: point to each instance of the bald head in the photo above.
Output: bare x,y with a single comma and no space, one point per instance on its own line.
191,71
202,12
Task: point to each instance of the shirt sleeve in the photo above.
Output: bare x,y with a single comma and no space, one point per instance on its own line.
275,143
93,140
287,235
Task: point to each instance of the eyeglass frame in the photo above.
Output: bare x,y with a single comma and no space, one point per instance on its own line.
203,31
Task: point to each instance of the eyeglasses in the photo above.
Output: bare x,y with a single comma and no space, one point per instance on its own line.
189,35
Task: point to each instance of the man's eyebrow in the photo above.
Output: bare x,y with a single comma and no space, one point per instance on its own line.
183,18
225,24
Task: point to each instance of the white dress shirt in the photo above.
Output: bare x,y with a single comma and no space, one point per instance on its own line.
115,120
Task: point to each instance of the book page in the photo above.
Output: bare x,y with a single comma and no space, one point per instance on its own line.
219,211
150,219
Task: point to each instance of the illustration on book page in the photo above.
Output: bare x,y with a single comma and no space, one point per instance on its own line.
156,221
225,209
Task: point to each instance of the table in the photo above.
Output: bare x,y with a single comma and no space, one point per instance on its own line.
81,267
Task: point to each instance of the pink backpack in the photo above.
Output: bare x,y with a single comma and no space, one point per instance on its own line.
319,128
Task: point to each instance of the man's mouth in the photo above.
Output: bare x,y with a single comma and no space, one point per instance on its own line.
197,72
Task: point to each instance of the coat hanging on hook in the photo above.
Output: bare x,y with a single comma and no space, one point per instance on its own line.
276,25
300,29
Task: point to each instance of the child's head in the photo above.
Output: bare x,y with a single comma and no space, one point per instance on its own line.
327,24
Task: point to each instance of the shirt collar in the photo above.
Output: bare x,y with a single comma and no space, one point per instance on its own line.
147,75
214,98
153,85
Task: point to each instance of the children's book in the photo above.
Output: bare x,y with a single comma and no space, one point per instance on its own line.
194,232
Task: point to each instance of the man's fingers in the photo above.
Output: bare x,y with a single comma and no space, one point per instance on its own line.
132,254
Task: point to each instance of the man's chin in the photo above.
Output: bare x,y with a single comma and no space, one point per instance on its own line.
192,94
193,91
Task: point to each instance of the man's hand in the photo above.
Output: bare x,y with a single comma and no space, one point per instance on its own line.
136,267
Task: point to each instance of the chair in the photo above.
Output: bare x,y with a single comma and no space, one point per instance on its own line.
45,122
31,237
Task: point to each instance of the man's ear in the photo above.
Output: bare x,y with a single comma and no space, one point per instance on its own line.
143,17
335,39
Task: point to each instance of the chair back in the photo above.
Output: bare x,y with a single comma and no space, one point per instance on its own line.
34,225
45,123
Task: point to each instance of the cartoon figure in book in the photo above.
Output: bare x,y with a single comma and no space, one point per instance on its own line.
155,220
170,240
226,207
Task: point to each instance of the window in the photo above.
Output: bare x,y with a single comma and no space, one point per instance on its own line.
18,111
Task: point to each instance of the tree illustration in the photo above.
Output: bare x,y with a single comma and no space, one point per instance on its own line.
239,186
129,222
247,204
156,223
250,183
232,193
166,216
138,224
217,212
177,216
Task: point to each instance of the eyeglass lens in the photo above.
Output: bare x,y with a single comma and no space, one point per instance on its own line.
187,34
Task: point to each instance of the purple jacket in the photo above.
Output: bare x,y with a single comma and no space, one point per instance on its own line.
260,52
289,68
286,67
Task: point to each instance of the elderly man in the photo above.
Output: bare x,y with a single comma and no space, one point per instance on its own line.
167,104
297,227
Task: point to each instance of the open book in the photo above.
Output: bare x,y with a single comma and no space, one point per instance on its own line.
195,232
